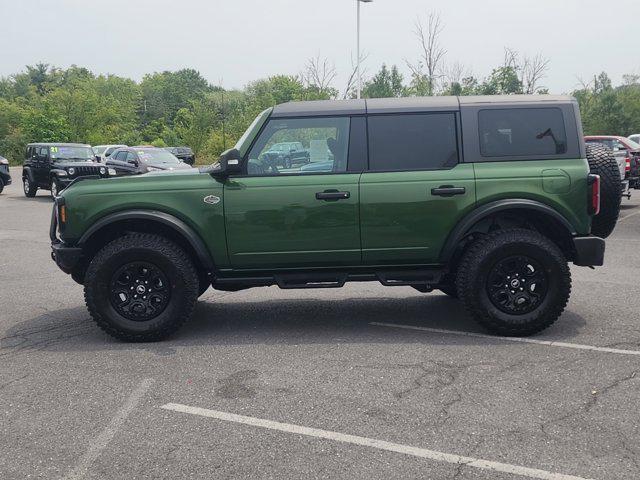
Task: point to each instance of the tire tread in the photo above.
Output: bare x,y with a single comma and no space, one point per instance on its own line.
471,264
146,241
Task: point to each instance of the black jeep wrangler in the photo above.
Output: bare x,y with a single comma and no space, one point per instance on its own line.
5,177
53,166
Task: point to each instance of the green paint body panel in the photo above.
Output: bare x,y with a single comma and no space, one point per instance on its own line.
563,186
402,222
277,222
177,193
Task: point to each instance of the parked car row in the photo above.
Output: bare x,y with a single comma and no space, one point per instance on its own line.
136,160
54,166
627,154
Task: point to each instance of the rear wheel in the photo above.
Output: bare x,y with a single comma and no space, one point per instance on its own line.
29,188
603,163
141,287
514,282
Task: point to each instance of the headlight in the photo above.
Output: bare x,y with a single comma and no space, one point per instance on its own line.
4,161
71,170
112,171
102,170
62,173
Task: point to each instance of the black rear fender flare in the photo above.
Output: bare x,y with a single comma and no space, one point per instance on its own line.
466,224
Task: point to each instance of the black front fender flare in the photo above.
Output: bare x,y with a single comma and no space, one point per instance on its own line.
484,211
164,218
28,172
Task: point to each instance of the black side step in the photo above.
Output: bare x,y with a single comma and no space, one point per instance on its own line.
311,280
409,277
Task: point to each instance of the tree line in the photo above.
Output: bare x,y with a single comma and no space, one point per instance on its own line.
44,103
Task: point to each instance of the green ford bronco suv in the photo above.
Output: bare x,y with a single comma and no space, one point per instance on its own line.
484,198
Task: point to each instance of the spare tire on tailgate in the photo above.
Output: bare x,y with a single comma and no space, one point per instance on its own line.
603,163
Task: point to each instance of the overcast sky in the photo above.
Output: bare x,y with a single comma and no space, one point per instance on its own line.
237,41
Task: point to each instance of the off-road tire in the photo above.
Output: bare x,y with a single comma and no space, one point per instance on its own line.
603,163
29,188
1,185
163,254
479,260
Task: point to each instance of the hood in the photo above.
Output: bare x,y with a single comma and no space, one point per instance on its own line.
77,163
166,168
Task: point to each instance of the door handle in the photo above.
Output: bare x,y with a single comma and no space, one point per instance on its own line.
448,191
332,195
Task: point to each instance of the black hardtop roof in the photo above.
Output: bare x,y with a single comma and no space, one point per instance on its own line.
407,104
58,144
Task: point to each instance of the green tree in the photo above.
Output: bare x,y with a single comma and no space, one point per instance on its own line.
163,94
502,81
386,83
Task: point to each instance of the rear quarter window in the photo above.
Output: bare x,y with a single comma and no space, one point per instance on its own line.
522,132
412,141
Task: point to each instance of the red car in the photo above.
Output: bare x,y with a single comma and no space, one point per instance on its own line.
622,146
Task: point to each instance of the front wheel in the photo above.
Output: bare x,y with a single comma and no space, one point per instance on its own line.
514,282
29,188
141,287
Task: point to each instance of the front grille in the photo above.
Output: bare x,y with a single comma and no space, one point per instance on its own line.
86,170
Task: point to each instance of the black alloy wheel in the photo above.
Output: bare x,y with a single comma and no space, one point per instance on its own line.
517,285
140,291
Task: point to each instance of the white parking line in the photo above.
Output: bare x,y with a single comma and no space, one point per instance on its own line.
549,343
622,219
99,444
372,442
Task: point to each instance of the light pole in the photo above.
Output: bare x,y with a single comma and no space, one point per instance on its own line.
358,47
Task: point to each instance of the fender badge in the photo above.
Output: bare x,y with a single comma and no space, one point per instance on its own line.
211,199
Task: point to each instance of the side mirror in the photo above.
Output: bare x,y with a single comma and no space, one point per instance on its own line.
229,163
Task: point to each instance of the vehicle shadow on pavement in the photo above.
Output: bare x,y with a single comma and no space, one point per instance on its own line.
227,321
38,198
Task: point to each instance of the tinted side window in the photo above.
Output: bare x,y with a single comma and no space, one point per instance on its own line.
131,157
121,155
522,132
325,141
412,141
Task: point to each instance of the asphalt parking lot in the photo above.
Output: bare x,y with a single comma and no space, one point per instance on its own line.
268,383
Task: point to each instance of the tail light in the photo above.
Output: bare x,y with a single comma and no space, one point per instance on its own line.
594,194
627,164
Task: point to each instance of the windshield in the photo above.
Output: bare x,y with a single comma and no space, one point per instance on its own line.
157,156
242,144
61,153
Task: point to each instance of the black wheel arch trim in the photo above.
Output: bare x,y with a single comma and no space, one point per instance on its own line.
463,226
28,172
179,226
